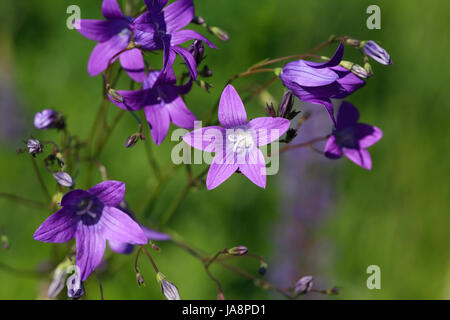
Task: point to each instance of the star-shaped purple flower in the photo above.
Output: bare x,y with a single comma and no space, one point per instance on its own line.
319,82
92,217
236,142
351,138
161,101
113,35
160,29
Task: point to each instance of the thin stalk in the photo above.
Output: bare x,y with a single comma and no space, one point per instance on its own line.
41,181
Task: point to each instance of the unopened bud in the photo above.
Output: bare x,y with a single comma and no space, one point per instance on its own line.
355,69
197,50
132,140
206,72
140,279
286,104
304,285
5,242
219,33
262,268
115,95
63,179
199,20
204,85
156,248
238,251
34,146
270,110
352,42
220,296
169,290
376,52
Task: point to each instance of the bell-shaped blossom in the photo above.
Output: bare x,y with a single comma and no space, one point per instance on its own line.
236,142
113,36
161,101
161,29
92,217
351,138
318,83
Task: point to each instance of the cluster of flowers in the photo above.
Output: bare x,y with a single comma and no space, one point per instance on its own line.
100,214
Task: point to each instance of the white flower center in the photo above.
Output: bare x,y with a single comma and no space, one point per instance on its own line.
85,207
242,141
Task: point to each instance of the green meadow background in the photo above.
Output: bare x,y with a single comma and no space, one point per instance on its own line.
395,216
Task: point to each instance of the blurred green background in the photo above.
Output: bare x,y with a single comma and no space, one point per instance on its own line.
395,216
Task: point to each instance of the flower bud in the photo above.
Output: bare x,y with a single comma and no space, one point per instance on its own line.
48,119
352,42
270,110
132,140
377,53
59,279
140,279
197,50
115,95
5,242
156,248
206,72
204,85
199,20
304,285
238,251
76,292
219,33
63,179
34,146
286,104
262,268
220,296
355,69
168,289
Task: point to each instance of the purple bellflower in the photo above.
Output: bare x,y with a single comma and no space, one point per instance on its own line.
160,29
319,82
48,119
351,138
377,53
161,101
113,35
236,142
92,218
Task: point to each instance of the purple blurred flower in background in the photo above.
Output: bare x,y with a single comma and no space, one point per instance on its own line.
236,143
319,82
377,53
161,101
48,119
351,138
113,35
92,218
160,29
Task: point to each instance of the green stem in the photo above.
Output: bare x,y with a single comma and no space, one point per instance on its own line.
41,181
27,202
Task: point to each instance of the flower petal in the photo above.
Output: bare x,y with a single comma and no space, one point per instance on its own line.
334,61
155,235
121,247
159,119
367,135
232,113
180,115
328,106
268,129
110,192
181,36
359,156
255,167
302,74
178,15
90,248
220,170
111,9
73,196
120,227
155,5
188,59
347,115
208,139
332,149
101,30
58,228
132,62
104,52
